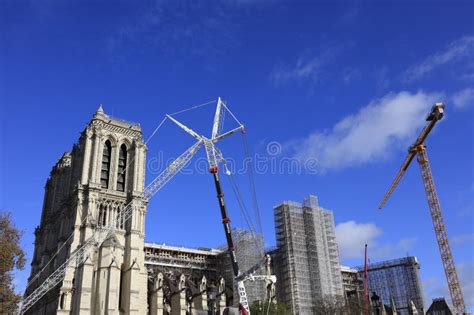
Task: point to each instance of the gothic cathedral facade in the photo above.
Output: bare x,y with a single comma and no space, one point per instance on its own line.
86,189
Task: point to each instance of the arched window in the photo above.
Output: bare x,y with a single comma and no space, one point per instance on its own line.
121,170
61,301
105,170
103,215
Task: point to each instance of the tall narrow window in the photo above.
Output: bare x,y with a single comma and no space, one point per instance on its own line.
122,279
103,215
61,301
105,170
121,170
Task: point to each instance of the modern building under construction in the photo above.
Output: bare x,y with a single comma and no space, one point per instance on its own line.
306,260
397,279
352,283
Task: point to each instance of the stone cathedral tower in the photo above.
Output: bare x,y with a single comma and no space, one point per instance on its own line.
87,187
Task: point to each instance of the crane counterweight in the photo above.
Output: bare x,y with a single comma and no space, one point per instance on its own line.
437,112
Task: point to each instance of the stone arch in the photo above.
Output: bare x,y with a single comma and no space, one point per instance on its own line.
112,138
159,281
128,143
203,284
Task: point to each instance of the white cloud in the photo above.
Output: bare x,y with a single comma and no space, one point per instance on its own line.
368,135
466,277
168,27
304,68
352,237
307,67
454,51
390,251
464,98
437,287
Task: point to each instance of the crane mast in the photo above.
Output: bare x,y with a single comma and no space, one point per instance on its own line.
419,149
243,301
440,231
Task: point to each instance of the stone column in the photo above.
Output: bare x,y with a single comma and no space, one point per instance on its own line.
178,299
156,298
98,162
64,303
221,298
83,295
412,308
108,277
114,156
95,157
113,288
86,159
200,300
392,305
141,166
136,163
134,289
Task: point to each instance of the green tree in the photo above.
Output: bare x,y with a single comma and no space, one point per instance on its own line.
266,308
12,257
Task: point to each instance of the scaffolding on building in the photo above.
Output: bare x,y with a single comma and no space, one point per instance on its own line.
307,256
246,246
397,279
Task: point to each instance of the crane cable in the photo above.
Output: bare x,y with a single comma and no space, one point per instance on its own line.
243,210
235,188
193,107
163,121
251,180
253,192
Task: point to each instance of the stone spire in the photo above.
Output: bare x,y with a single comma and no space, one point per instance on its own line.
99,112
412,308
393,307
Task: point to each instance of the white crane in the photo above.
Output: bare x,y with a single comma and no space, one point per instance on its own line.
214,157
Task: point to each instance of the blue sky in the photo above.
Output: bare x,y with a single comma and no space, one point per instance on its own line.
346,84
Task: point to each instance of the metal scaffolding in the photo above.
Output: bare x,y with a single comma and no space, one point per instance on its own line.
307,255
247,246
397,279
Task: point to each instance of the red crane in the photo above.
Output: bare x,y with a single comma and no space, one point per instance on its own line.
366,283
419,149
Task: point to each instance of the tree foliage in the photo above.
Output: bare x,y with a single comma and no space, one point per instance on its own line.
259,308
12,257
352,306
